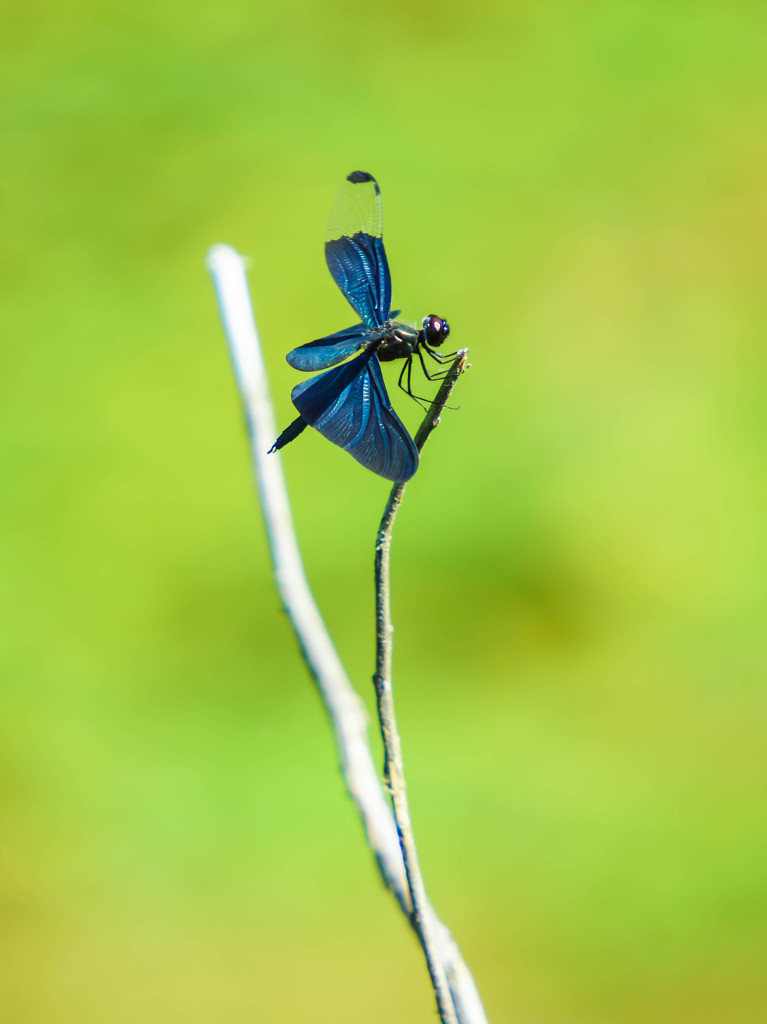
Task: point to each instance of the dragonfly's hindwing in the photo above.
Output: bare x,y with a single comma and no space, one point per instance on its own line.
350,407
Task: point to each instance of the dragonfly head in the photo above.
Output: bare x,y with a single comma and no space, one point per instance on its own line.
435,330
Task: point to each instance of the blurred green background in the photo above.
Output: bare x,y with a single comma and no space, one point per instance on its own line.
579,566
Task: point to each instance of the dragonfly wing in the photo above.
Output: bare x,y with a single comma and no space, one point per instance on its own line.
325,352
350,407
383,443
354,248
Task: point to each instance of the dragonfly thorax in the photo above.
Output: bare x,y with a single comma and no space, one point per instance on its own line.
398,341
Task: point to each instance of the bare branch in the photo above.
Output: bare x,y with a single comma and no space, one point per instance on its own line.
394,766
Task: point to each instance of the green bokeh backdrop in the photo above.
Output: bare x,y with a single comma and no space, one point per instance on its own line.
579,575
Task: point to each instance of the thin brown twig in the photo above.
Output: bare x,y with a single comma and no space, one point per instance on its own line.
394,768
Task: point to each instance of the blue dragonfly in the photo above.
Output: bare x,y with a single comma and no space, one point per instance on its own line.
349,405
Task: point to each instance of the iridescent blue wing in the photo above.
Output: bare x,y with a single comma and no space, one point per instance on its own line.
354,248
324,352
350,407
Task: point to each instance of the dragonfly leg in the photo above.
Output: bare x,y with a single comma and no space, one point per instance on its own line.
429,376
408,367
440,357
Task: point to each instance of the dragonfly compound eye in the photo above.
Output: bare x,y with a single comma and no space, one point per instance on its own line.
436,330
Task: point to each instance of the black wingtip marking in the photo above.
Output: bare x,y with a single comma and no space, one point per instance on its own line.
357,177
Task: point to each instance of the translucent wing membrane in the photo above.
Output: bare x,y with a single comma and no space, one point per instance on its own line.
350,407
354,248
324,352
357,207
